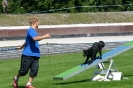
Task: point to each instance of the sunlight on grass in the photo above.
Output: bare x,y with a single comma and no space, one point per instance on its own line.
56,64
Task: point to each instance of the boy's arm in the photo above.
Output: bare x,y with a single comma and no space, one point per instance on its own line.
20,47
38,38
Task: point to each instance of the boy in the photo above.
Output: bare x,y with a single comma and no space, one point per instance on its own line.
31,54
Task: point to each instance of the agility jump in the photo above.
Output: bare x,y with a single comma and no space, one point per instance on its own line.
80,68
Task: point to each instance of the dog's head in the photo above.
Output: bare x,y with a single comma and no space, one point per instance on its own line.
85,52
102,44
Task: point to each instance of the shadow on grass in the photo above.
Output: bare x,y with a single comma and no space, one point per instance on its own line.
18,86
21,86
127,75
80,81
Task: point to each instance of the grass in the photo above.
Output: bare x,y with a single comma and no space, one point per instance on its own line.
66,18
54,64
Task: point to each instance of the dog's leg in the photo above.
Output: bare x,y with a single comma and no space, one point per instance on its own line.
91,60
86,60
93,57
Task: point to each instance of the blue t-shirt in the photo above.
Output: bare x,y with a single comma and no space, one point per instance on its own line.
31,47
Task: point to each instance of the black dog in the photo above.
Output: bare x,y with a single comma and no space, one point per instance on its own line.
92,51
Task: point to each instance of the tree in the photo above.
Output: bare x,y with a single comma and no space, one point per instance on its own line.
128,5
68,6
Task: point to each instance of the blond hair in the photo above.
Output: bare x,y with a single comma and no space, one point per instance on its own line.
33,20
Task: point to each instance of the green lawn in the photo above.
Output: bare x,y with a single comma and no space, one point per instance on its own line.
53,65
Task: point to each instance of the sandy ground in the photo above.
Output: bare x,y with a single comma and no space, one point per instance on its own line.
71,40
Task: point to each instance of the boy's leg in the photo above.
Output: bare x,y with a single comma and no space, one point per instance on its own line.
33,72
25,64
28,85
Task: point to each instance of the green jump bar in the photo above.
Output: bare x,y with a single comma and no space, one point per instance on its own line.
130,43
68,73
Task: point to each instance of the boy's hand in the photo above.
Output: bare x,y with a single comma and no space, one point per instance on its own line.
18,48
47,35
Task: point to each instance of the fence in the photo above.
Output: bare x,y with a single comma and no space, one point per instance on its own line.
75,30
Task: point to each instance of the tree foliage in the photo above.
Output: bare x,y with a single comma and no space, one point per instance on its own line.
68,6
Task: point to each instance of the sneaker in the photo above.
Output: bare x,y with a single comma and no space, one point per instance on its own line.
15,83
29,86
